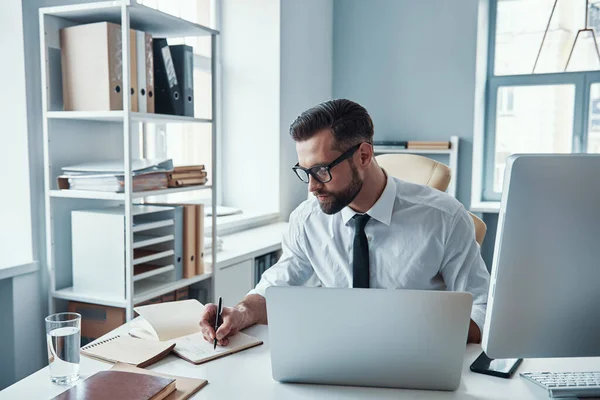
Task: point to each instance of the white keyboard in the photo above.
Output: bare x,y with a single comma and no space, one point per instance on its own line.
567,384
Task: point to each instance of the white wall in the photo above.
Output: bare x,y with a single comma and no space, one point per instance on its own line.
250,103
277,62
306,80
15,205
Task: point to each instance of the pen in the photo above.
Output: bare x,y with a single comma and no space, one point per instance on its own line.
217,317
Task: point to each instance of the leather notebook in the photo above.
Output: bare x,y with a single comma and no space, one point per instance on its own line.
118,385
186,387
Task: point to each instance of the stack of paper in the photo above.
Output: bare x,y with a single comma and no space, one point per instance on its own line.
109,176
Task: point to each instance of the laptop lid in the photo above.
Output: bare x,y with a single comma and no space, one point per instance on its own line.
368,337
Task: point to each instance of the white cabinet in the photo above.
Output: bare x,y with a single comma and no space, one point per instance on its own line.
235,281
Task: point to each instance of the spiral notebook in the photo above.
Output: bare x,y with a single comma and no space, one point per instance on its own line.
128,350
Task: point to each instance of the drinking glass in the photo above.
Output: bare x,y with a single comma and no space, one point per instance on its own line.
63,334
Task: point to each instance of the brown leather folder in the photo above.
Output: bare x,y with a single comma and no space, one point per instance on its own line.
119,385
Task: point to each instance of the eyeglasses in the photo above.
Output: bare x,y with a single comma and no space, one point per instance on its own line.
322,173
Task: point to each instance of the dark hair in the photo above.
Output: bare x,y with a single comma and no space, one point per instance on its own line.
349,122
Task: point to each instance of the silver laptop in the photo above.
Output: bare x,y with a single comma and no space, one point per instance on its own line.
368,337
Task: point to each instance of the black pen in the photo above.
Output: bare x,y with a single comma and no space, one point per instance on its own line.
217,317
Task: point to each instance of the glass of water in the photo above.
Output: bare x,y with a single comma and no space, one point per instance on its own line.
63,334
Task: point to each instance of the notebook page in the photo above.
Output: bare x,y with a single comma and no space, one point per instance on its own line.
126,349
173,319
196,349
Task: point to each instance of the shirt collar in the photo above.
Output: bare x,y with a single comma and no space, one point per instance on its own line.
383,207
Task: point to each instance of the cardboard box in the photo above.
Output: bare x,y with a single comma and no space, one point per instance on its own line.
182,294
168,297
96,320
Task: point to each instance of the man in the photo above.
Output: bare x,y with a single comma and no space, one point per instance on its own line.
363,228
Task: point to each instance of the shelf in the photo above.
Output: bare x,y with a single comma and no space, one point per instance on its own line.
92,194
154,272
152,225
147,240
153,257
119,116
144,290
142,18
393,150
148,289
88,297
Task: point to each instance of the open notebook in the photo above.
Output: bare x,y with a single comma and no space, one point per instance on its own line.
127,349
178,322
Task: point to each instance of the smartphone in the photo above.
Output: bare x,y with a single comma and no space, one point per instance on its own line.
502,368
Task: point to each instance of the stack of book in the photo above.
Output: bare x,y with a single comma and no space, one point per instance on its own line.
188,175
428,145
109,176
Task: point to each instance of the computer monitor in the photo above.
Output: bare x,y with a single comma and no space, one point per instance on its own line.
544,296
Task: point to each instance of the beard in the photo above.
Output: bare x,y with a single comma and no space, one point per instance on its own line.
336,201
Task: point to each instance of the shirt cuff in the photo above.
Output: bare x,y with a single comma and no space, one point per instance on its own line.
478,316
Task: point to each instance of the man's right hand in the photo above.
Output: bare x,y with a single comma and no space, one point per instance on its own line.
232,322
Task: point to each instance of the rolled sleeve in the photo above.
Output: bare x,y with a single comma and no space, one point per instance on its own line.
463,269
293,268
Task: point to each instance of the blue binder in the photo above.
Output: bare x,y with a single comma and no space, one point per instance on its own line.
178,245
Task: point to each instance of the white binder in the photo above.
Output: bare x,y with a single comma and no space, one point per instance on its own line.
140,38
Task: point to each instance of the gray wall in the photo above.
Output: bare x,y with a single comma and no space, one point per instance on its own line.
306,80
419,69
412,65
7,334
22,298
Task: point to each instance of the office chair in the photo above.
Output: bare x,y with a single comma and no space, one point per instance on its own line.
425,171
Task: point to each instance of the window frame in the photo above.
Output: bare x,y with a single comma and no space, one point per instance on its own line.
582,80
204,63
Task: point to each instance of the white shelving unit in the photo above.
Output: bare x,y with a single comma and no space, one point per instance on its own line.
452,154
71,137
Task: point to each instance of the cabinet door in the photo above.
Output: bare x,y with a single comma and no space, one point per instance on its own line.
234,282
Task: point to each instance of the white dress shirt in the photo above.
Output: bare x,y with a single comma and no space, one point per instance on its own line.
419,238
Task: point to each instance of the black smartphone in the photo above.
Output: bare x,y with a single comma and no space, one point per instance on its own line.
502,368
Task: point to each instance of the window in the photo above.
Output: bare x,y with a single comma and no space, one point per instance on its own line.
506,100
541,98
593,134
188,143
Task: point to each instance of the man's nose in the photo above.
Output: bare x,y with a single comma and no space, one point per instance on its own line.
313,184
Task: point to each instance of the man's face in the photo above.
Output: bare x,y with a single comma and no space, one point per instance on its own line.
346,181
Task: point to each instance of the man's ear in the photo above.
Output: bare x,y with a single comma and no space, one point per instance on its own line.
365,152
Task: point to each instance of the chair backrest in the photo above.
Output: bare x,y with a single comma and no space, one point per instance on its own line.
425,171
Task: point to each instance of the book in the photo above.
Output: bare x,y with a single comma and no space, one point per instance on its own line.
185,387
430,145
114,183
187,175
178,322
186,182
129,350
119,385
187,168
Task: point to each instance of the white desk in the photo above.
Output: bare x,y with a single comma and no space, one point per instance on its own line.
247,375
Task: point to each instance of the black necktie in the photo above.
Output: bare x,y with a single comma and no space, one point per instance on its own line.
360,252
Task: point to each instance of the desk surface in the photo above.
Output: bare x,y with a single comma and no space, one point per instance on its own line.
247,375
